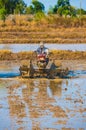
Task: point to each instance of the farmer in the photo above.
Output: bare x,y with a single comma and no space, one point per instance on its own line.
43,50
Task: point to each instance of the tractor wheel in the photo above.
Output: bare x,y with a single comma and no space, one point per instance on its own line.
64,73
52,71
31,71
31,74
23,70
51,74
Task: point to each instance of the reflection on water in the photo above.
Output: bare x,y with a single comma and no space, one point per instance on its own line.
55,88
42,104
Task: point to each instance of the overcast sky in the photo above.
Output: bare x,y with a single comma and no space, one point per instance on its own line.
49,3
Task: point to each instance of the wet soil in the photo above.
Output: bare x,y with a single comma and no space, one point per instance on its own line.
43,104
40,104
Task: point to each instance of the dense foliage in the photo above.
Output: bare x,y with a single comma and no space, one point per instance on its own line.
35,7
62,8
11,5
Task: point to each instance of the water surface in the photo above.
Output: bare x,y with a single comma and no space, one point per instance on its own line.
42,104
32,47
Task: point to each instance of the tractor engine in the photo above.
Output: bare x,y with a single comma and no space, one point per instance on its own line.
41,61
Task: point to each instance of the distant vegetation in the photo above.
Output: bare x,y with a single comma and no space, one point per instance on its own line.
62,23
62,8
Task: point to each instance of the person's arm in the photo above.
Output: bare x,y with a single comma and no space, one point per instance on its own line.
47,51
39,50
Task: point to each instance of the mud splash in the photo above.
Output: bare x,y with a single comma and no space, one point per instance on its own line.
71,74
77,74
77,69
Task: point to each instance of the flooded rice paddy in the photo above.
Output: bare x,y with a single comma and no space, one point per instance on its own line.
41,103
30,47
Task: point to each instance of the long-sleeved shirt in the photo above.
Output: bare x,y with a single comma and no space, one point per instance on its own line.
43,50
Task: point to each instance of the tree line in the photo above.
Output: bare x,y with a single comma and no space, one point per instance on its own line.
62,7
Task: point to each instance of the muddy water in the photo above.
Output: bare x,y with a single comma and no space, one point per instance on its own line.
77,68
9,69
40,104
43,104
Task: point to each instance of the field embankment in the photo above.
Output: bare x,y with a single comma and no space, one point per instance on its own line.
56,55
52,29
